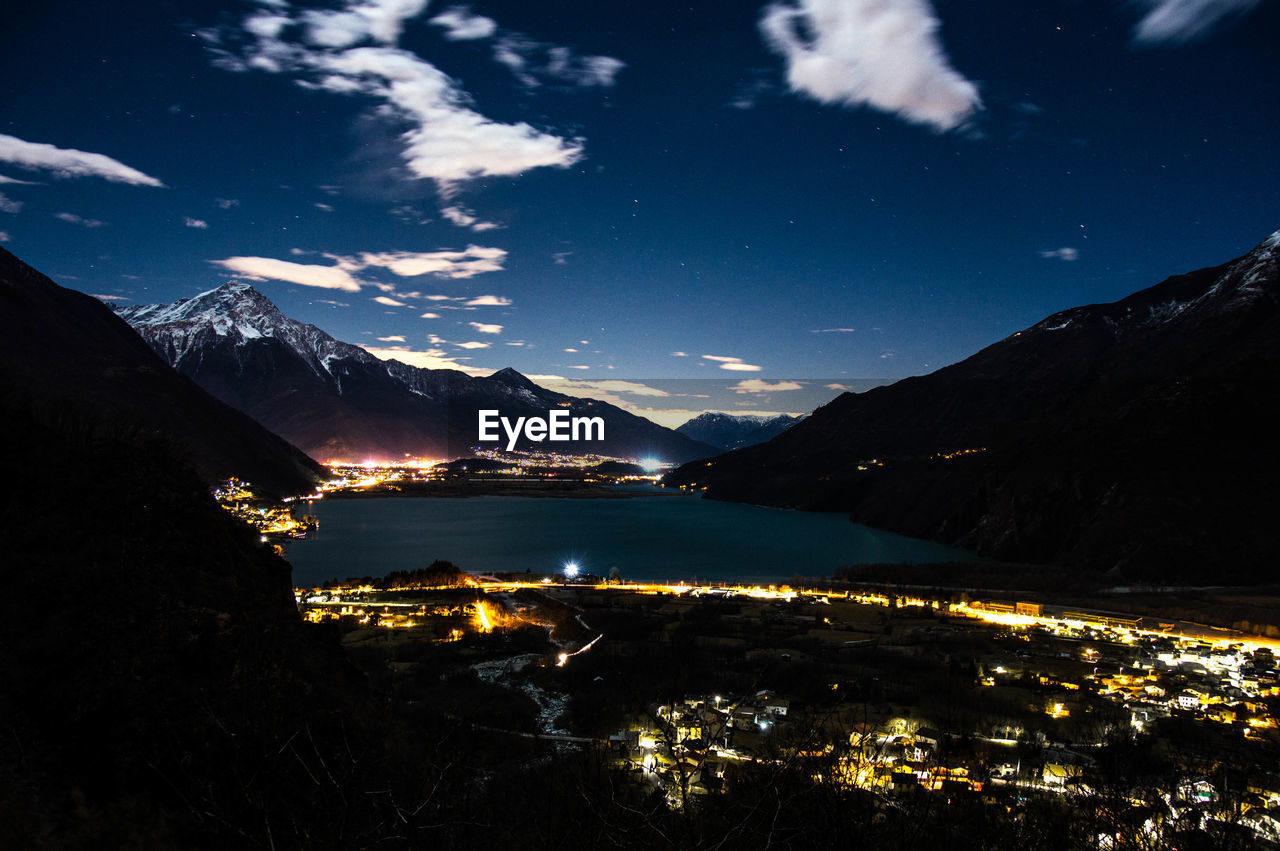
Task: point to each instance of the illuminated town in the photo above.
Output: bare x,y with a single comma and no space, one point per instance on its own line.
892,693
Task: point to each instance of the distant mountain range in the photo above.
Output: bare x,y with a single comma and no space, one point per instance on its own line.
1137,436
65,357
734,431
340,403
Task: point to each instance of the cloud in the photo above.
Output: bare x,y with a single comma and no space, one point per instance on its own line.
4,236
560,258
1180,21
472,261
394,338
489,301
8,205
226,203
430,359
330,301
841,387
6,179
1068,254
429,316
732,364
834,330
608,390
447,141
103,297
532,61
461,24
263,268
389,302
325,208
199,224
68,162
879,53
486,329
464,218
679,354
756,385
72,218
473,345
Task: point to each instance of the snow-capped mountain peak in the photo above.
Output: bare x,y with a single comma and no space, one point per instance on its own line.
240,313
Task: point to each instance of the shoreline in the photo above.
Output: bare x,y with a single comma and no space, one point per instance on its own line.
536,490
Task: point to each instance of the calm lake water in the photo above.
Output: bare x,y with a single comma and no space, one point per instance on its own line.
665,537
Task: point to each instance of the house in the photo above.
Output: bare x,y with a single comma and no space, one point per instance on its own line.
1060,774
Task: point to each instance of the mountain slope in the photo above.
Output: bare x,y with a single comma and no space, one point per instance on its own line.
340,403
1132,435
734,431
65,351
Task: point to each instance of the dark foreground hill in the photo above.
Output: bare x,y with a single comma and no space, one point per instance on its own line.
1136,436
67,351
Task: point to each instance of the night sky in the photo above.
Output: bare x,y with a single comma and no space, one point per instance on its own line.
600,190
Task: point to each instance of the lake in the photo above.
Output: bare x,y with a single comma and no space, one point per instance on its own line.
662,538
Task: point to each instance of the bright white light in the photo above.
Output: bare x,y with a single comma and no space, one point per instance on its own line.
650,464
571,568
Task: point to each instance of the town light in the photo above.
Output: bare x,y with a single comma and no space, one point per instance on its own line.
571,568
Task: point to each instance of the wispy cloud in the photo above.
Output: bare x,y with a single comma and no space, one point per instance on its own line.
73,219
308,275
226,203
4,236
489,301
198,224
474,344
732,364
679,354
757,385
68,162
533,62
322,207
473,260
429,316
834,330
464,218
1067,253
388,301
461,24
353,51
8,205
1179,21
879,53
483,328
394,338
4,178
105,297
429,359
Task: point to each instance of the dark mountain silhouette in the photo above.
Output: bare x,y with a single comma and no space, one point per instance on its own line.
340,403
1136,435
69,353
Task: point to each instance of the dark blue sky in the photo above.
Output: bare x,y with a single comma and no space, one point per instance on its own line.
811,187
